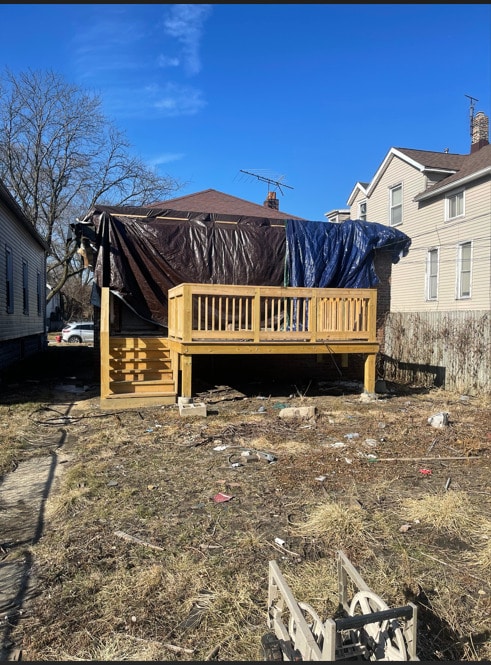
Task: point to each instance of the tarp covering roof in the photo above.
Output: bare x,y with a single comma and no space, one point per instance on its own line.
141,253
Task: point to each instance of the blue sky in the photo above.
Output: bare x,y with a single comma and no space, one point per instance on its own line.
310,95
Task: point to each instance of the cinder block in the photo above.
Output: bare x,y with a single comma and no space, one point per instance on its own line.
298,412
184,400
198,409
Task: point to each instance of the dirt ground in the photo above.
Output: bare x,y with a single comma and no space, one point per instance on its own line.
121,549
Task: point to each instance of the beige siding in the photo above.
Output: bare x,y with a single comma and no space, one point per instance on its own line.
24,247
426,226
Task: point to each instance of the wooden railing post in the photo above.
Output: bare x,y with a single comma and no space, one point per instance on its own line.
187,313
104,340
256,314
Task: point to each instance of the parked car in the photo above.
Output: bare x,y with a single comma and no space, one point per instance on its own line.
77,332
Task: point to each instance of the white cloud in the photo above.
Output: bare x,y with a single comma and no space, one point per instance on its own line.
185,23
166,61
154,101
165,158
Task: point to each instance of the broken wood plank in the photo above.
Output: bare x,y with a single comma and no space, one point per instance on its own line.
134,539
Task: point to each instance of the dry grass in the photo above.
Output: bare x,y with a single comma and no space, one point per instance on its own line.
194,586
453,513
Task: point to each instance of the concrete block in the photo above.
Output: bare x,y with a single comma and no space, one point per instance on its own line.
184,400
298,412
198,409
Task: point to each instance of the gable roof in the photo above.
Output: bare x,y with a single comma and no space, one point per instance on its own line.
8,200
454,168
474,166
213,201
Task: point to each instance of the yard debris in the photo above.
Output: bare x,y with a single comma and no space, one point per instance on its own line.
351,435
134,539
439,419
221,497
298,412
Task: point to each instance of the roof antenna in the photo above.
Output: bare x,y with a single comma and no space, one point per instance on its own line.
471,110
270,181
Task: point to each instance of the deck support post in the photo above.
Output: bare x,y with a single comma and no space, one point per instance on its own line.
369,378
186,364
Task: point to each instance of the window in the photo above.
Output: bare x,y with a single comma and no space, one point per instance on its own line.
395,205
362,210
39,294
25,287
9,280
432,275
455,205
464,270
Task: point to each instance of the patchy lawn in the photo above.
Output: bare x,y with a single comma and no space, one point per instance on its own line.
138,560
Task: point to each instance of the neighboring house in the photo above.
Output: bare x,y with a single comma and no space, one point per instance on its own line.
54,321
22,284
438,330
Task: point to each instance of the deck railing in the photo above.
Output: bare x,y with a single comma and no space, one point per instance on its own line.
221,313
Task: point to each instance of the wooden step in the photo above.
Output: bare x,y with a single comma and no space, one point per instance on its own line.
132,401
140,365
141,387
136,375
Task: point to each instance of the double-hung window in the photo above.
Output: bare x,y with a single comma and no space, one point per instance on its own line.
25,287
454,205
39,293
9,280
362,211
395,205
432,274
464,265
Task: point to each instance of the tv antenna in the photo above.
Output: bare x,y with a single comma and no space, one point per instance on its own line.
471,110
277,183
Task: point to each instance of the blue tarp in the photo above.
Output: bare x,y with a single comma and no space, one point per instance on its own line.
324,254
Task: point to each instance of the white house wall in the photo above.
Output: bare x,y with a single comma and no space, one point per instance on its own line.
24,247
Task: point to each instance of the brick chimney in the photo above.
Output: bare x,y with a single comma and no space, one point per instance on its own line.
480,131
272,201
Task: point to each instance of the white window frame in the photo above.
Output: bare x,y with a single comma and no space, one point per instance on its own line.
464,271
9,280
459,199
362,214
431,286
395,207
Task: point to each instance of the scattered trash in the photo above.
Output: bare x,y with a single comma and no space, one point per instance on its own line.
348,460
262,409
321,478
425,472
404,528
337,444
439,419
447,484
279,405
371,442
112,483
351,435
221,447
152,487
279,541
221,497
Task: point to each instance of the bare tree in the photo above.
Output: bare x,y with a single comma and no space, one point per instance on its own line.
59,155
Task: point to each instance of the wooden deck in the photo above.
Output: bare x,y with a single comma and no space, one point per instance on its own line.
206,319
223,319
